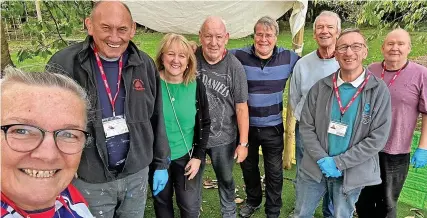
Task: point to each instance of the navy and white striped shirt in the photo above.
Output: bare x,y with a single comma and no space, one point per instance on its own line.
266,83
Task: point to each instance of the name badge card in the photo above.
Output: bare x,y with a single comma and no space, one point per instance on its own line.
337,128
114,126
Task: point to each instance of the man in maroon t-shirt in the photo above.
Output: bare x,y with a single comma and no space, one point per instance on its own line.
407,83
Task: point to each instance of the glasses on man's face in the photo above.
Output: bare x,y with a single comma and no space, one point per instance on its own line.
25,138
355,47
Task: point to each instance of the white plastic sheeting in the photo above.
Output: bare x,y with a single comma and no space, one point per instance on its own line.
186,17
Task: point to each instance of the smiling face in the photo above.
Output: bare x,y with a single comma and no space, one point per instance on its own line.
264,40
50,108
396,46
175,61
111,27
351,61
213,36
326,32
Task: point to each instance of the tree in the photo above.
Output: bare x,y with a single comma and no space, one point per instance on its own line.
61,20
5,54
410,15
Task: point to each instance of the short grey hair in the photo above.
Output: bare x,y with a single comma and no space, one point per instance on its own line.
268,22
328,14
353,30
45,79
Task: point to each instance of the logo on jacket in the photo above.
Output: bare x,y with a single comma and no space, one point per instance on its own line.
366,117
138,85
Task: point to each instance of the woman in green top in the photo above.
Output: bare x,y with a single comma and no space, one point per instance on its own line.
186,112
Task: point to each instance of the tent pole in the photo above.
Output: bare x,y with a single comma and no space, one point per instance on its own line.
289,151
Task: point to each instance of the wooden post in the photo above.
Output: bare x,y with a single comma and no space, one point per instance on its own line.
289,151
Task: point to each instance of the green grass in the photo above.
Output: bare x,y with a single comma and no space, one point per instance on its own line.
211,206
149,42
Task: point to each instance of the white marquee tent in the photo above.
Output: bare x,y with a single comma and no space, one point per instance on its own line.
186,17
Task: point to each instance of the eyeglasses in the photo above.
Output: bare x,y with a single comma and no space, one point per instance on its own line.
355,47
25,138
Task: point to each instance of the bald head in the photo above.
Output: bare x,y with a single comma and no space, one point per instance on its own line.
399,33
213,36
396,48
111,27
106,6
213,22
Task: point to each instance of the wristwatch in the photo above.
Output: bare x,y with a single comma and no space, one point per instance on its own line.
244,144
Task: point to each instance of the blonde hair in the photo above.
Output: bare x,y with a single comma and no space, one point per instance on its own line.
166,43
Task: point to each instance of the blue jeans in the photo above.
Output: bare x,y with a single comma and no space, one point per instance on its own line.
124,198
327,206
299,149
222,158
271,141
310,193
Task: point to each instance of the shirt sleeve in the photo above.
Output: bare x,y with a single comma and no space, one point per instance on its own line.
240,83
422,105
294,88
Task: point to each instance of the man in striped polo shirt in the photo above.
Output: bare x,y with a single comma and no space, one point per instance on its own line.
267,68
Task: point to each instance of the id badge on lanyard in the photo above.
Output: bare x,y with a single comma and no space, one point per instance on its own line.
337,128
114,126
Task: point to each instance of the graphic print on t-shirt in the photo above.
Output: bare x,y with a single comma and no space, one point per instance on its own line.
216,91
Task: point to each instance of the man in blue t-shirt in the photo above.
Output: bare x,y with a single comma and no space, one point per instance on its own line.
267,68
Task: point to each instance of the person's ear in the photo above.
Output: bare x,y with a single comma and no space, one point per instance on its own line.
133,30
365,53
89,26
227,36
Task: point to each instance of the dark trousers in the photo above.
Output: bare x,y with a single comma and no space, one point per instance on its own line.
380,201
186,192
271,141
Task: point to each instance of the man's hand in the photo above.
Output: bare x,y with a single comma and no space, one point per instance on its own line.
241,153
192,168
420,158
160,179
328,167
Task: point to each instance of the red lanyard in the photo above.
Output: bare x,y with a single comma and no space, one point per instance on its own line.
337,93
104,78
394,77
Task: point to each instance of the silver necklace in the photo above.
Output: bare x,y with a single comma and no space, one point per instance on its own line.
172,99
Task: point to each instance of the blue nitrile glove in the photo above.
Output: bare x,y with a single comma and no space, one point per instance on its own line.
328,167
160,178
420,158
